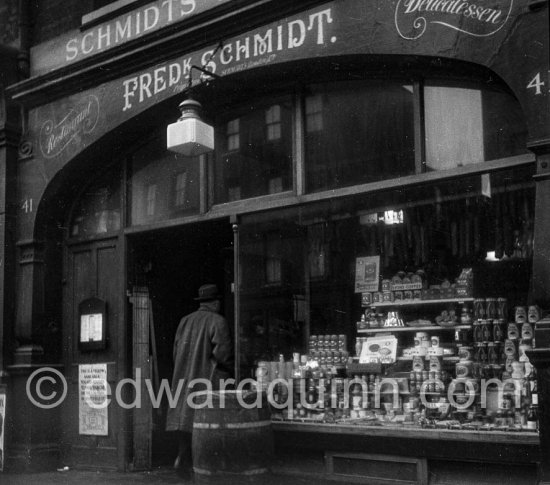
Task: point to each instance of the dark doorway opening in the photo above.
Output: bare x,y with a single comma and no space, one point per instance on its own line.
171,264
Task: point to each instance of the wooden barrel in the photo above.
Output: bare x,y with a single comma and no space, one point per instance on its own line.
232,436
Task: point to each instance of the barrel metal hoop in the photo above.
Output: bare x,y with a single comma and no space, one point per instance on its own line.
253,424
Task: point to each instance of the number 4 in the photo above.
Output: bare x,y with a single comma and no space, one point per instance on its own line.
27,206
536,83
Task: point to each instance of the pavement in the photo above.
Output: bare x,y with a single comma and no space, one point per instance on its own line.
157,476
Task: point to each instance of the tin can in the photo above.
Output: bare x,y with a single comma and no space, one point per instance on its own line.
481,353
513,331
491,308
527,331
342,342
502,309
366,298
486,330
510,348
499,329
418,365
479,308
492,356
520,314
478,333
313,341
533,314
435,363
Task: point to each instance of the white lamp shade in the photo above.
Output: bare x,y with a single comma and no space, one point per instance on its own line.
190,137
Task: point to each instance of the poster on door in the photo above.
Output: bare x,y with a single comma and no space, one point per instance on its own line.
93,418
2,428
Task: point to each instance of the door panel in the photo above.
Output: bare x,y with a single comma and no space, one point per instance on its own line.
91,270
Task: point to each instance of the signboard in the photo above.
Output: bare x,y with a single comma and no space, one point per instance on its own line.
496,37
382,350
413,18
92,330
367,274
93,418
2,428
86,42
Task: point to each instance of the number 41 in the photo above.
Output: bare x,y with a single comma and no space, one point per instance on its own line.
536,84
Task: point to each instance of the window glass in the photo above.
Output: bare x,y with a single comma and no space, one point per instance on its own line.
163,185
465,126
358,132
254,150
300,272
98,210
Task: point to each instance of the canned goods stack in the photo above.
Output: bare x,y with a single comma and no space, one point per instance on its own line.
489,331
328,350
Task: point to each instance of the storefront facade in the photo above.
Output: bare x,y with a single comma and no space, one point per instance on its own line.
411,136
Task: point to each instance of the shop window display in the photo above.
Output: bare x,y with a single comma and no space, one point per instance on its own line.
437,340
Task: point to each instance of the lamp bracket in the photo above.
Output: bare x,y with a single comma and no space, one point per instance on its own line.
203,68
204,71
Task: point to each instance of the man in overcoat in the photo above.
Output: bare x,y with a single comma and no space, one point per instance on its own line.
202,350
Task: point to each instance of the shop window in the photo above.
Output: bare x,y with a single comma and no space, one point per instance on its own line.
358,132
162,185
437,256
98,209
466,125
254,151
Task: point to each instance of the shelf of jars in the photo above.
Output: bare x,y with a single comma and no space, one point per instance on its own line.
423,328
405,303
436,379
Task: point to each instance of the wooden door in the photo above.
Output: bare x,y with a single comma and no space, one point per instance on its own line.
93,270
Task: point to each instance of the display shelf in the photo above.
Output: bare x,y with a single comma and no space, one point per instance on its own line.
446,358
386,304
413,329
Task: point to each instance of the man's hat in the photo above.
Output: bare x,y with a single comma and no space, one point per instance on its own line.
208,292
